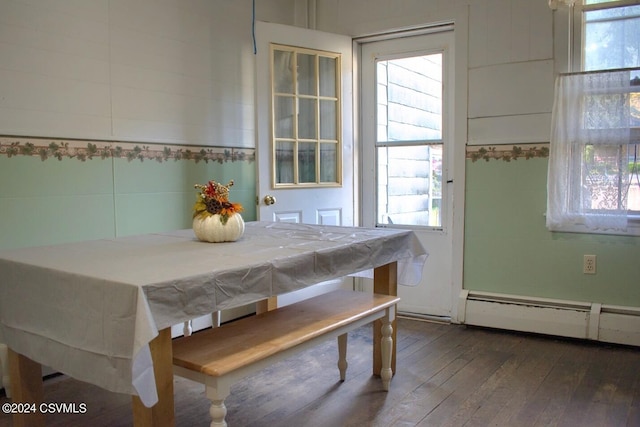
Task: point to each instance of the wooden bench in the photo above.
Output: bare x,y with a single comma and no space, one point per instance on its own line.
219,357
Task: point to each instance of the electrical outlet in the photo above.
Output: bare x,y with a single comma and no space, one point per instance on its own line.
589,264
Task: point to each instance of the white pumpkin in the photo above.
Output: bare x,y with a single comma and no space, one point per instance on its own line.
211,229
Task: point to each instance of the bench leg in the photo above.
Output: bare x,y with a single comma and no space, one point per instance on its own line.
215,319
218,412
216,392
187,328
342,356
386,347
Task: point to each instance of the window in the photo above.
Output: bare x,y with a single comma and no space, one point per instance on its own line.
409,142
305,117
594,183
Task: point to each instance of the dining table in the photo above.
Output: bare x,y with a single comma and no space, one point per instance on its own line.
101,311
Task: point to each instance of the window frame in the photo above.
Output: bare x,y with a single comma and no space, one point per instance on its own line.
575,61
387,143
296,140
577,27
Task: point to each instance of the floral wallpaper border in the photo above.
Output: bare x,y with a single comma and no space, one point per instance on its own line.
507,152
86,149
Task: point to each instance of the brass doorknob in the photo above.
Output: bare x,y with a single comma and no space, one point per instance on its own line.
269,200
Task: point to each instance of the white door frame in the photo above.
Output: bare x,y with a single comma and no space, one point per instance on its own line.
460,16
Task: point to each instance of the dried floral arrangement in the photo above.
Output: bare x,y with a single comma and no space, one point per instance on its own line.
213,199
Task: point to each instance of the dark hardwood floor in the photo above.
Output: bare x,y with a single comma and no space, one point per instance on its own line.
448,375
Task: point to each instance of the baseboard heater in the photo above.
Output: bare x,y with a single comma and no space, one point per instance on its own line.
575,319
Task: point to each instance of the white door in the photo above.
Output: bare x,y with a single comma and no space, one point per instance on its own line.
407,154
324,202
305,159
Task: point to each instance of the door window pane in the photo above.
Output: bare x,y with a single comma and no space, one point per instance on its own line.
410,185
283,69
328,67
283,116
305,117
328,114
328,162
284,162
410,98
306,74
409,141
306,162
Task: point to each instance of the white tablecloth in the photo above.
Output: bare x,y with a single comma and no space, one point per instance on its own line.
90,309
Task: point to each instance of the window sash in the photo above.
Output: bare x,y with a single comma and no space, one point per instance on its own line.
306,117
568,174
408,194
591,113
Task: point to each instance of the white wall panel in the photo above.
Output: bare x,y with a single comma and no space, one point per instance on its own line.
54,73
184,65
92,10
152,105
32,95
27,37
502,31
53,18
498,31
157,131
160,81
14,121
179,71
526,128
135,48
510,89
49,63
541,31
164,19
520,31
362,17
478,30
160,116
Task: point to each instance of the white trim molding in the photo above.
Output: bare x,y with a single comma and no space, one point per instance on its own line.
554,4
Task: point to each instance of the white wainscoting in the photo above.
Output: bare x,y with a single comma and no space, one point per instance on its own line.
575,319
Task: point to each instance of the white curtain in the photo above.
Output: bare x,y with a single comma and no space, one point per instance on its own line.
588,162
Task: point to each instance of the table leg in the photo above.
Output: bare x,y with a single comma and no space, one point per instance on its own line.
267,304
26,387
385,281
162,413
5,379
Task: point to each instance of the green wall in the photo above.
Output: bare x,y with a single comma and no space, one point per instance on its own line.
44,200
509,250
